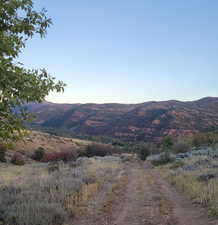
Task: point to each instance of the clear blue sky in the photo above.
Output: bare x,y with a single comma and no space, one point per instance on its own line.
129,51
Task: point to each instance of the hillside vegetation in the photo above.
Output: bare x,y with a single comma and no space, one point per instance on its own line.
64,181
147,121
191,165
44,147
53,194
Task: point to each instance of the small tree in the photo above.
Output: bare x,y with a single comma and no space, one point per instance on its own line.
167,144
19,22
38,154
146,149
144,152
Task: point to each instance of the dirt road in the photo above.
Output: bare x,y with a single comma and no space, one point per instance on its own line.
142,197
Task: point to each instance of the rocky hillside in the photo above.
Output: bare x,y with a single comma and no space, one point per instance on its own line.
145,121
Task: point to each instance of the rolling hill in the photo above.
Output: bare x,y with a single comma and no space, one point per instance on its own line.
146,121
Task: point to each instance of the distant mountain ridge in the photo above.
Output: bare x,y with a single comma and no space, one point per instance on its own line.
145,121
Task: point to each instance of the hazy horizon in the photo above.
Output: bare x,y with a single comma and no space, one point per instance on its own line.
129,51
47,100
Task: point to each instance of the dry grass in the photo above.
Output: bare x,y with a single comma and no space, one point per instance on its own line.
203,192
50,194
50,142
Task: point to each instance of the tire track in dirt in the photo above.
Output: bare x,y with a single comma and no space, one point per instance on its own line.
142,197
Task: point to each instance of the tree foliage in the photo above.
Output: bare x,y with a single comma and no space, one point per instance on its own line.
19,22
167,144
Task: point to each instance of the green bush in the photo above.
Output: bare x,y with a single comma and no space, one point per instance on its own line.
167,144
38,154
144,152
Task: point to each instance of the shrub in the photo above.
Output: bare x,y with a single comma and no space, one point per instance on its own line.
17,159
181,147
50,213
146,149
202,139
99,150
32,196
2,153
144,152
38,154
197,140
167,143
164,158
59,156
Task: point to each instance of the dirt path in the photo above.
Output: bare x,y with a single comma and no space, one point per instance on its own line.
142,197
143,203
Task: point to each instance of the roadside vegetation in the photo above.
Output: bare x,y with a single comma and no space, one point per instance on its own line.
170,146
197,176
191,165
51,193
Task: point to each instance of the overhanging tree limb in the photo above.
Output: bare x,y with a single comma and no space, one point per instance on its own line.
19,22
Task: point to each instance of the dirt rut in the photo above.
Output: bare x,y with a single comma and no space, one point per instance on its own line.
142,197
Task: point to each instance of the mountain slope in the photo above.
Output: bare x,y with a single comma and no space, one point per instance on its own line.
145,121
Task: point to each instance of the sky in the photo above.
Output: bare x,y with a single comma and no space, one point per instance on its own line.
129,51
